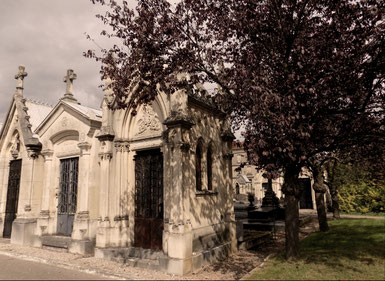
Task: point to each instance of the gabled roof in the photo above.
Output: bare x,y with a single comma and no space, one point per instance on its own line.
37,111
91,113
29,115
242,179
87,112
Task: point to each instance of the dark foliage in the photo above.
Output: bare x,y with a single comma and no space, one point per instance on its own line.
304,77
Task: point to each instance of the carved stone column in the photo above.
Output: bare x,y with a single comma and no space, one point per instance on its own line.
177,231
105,157
43,220
84,176
81,223
81,243
120,233
47,154
227,140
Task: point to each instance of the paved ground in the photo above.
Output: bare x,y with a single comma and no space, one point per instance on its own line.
19,262
17,269
232,268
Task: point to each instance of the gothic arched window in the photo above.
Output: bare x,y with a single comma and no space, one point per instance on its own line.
198,167
209,169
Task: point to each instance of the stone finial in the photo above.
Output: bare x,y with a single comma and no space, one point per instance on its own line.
68,79
20,79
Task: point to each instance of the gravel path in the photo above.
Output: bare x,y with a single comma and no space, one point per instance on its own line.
235,267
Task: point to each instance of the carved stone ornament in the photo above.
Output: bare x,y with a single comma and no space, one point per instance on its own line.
82,215
44,213
172,134
109,98
149,122
122,146
105,156
15,148
186,136
64,122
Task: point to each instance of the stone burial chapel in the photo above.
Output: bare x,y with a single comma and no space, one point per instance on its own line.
153,189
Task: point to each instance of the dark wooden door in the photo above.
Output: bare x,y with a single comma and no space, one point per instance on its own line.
148,200
12,196
306,200
68,191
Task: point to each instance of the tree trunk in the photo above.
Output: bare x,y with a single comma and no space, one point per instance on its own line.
331,170
321,211
320,189
291,226
335,206
292,191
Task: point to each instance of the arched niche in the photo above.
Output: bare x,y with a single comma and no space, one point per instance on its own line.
147,123
68,135
65,143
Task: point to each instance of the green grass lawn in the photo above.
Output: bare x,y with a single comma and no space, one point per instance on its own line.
364,214
352,249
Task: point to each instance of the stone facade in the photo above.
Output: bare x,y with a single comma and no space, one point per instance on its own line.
198,225
256,183
83,170
18,143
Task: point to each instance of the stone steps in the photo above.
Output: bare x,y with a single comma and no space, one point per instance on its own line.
264,226
144,263
254,238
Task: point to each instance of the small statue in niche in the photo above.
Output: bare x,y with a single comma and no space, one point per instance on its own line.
15,148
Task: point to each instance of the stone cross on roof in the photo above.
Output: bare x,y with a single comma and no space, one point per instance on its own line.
68,79
20,77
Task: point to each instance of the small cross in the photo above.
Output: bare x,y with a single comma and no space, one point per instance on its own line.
68,80
20,77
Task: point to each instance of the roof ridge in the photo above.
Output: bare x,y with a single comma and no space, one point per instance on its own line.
38,102
86,106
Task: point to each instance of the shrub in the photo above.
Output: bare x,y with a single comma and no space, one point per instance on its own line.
360,190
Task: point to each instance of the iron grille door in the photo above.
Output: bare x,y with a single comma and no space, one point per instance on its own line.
67,195
12,196
149,200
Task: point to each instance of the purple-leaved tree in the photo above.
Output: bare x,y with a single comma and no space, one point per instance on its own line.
303,77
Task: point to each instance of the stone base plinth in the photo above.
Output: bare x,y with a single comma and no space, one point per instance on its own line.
144,258
211,255
113,236
23,232
156,260
82,247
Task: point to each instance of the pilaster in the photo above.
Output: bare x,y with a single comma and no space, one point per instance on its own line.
178,230
229,216
43,220
81,222
105,159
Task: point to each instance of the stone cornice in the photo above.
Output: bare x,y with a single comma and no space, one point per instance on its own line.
228,136
177,119
47,154
106,134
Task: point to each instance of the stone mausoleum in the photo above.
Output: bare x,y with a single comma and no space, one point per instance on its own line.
248,179
154,188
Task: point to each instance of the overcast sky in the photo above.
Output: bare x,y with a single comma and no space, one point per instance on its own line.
47,37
